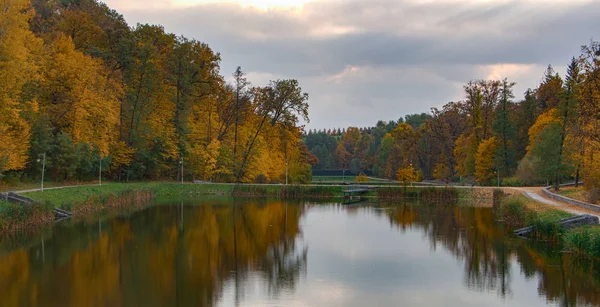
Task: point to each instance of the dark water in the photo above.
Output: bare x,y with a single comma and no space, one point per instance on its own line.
272,253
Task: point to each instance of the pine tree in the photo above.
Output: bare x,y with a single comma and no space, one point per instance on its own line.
504,127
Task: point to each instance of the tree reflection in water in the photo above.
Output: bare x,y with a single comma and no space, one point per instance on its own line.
188,254
471,234
167,255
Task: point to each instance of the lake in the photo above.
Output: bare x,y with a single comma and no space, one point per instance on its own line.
254,252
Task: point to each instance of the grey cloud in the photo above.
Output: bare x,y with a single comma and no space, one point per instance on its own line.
446,41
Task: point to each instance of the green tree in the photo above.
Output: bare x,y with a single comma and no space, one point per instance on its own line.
504,127
567,110
546,150
526,113
484,161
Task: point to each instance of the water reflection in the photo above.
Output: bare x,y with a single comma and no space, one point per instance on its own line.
472,235
248,252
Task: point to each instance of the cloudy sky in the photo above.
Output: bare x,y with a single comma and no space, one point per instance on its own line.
365,60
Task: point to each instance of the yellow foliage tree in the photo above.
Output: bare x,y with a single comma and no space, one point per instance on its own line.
464,155
18,66
546,118
441,171
79,96
406,175
484,160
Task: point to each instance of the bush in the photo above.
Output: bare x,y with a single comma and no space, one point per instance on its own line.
262,179
361,178
497,198
593,195
579,241
512,182
513,211
526,170
547,229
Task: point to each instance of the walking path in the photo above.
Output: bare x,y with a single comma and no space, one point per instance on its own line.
535,193
52,188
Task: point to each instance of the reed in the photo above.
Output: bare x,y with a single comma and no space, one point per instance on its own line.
286,191
584,242
127,200
425,194
15,218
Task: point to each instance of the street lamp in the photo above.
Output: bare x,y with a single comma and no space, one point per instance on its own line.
412,172
100,173
43,168
181,162
498,173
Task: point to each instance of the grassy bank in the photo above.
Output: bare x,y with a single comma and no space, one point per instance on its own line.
349,178
91,200
425,194
68,198
17,218
578,193
290,191
517,211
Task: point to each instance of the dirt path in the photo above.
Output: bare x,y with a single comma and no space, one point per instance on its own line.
535,193
51,188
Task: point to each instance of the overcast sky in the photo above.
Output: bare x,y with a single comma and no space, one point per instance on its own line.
366,60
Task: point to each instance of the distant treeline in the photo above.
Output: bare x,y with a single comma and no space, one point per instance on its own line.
552,134
81,88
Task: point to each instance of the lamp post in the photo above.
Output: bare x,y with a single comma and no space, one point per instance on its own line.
181,162
286,172
100,173
43,168
344,175
412,173
498,173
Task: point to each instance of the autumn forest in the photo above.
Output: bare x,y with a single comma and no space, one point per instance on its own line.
551,135
85,90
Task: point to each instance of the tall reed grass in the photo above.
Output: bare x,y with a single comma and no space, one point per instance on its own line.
286,191
425,194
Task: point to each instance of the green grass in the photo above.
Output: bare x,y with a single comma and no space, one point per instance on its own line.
290,191
69,197
518,211
36,185
333,178
4,205
578,193
426,194
584,241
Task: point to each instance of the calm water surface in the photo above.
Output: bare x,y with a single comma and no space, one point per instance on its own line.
224,252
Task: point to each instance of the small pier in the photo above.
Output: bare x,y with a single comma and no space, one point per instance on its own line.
60,214
355,193
12,197
16,198
566,223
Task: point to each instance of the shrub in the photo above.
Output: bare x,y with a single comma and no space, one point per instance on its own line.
547,229
579,241
593,195
361,178
497,198
512,182
513,211
262,179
